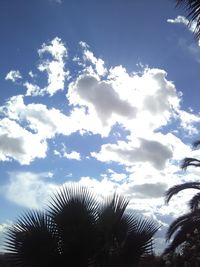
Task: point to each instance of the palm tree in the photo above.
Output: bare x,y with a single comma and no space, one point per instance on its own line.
187,223
193,9
77,230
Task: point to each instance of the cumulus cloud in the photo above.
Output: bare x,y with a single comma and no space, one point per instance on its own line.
140,104
149,190
101,97
53,66
98,63
19,144
73,155
31,190
44,122
147,99
13,75
148,151
189,121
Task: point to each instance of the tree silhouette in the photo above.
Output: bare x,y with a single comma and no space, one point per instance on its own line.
77,230
187,223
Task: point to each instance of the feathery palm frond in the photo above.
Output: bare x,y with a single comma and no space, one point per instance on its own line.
32,241
182,226
196,143
194,203
177,188
190,162
180,221
193,9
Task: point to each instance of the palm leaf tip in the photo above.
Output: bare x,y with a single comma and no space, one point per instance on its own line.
177,188
193,9
196,143
190,162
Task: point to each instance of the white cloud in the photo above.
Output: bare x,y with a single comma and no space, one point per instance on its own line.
31,190
179,19
53,66
63,152
13,75
101,97
188,121
115,176
138,103
191,25
19,144
3,229
148,99
98,63
149,190
44,122
150,151
72,155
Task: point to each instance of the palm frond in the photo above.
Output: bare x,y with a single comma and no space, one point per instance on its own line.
193,9
194,203
139,239
181,227
32,240
125,237
196,144
190,162
111,228
179,222
75,211
177,188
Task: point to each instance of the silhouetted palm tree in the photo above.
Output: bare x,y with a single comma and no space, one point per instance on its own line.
76,230
190,221
193,10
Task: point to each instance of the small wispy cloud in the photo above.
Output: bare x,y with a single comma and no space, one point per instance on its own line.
191,25
72,155
179,19
13,75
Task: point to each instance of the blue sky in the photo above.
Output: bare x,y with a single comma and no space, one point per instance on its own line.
104,93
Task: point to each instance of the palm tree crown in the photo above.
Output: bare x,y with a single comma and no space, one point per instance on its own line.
187,223
77,230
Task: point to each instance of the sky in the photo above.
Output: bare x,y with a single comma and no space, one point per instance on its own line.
100,93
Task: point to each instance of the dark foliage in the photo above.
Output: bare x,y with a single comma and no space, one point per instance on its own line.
190,221
77,230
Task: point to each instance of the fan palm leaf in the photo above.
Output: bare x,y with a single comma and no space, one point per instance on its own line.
77,231
32,241
74,211
124,237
